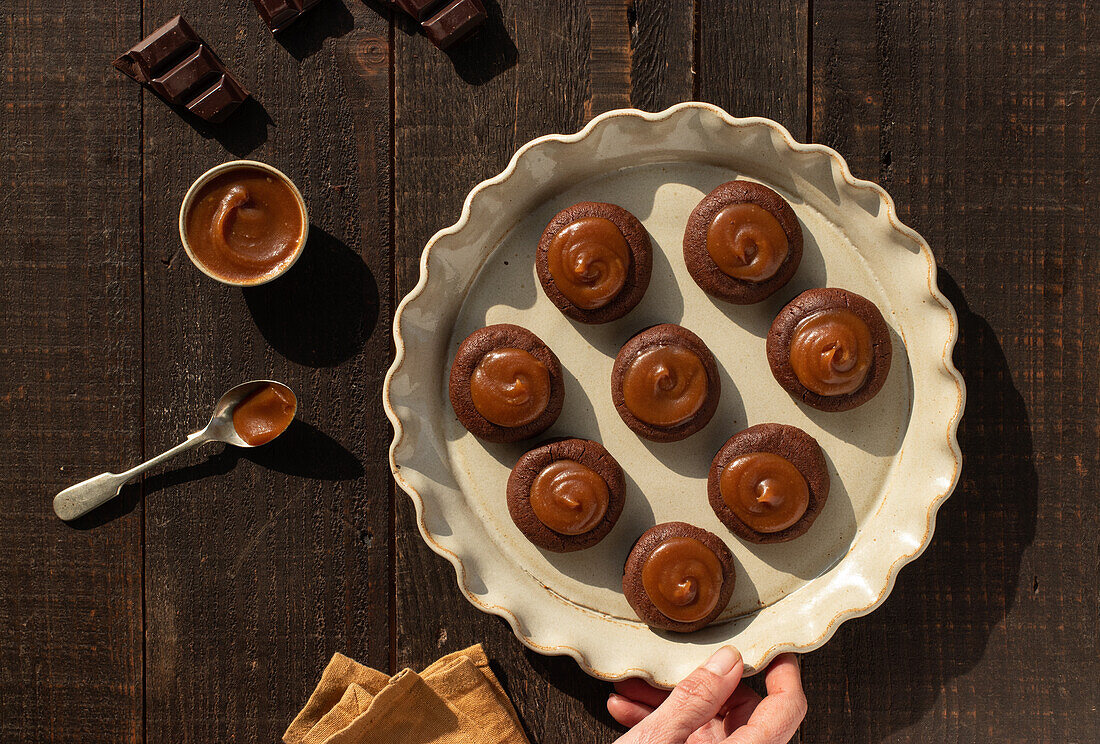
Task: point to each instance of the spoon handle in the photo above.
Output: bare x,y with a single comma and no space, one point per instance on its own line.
76,501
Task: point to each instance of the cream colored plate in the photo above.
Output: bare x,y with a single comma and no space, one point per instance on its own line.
893,461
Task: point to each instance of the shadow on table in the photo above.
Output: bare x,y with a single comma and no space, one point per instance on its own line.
563,673
323,310
937,622
303,451
330,19
487,53
240,134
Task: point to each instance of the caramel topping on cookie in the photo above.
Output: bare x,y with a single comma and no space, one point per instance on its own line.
831,352
509,387
747,242
569,497
683,579
766,492
665,385
589,261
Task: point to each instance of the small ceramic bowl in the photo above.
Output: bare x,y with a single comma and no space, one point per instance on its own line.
217,170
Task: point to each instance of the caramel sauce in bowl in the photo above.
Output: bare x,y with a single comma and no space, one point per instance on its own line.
243,223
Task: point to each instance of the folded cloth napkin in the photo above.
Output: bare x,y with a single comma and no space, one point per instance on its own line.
455,700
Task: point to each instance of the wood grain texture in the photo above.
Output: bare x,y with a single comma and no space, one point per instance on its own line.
206,611
70,374
609,58
366,63
662,34
751,59
980,121
262,563
536,66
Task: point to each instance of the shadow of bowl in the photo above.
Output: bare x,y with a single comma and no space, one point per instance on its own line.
323,310
329,20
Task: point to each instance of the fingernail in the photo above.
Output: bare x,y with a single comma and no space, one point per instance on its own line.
723,661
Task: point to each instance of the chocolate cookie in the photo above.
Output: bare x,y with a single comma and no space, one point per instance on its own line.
566,495
594,261
768,483
665,383
830,348
742,242
678,577
506,384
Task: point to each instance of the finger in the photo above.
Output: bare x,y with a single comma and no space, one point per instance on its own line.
641,691
627,712
778,716
698,698
740,706
784,674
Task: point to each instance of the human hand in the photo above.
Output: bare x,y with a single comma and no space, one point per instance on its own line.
712,706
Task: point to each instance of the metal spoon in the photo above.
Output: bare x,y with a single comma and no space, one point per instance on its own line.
76,501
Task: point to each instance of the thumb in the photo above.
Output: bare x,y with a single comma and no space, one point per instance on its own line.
699,697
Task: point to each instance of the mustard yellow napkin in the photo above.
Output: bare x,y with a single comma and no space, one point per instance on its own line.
456,700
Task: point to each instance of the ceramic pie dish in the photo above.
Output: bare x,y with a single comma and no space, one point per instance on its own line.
892,462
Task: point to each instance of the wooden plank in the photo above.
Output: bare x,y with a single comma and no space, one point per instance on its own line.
976,118
574,60
261,564
662,34
70,379
610,55
366,64
751,59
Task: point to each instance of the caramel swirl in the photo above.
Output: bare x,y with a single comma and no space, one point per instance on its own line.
766,492
589,260
683,578
665,385
509,387
831,352
569,497
244,225
747,242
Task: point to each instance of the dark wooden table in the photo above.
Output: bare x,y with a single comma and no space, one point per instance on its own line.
202,605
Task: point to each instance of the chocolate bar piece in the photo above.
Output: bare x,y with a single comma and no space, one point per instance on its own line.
445,22
181,68
454,22
278,14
